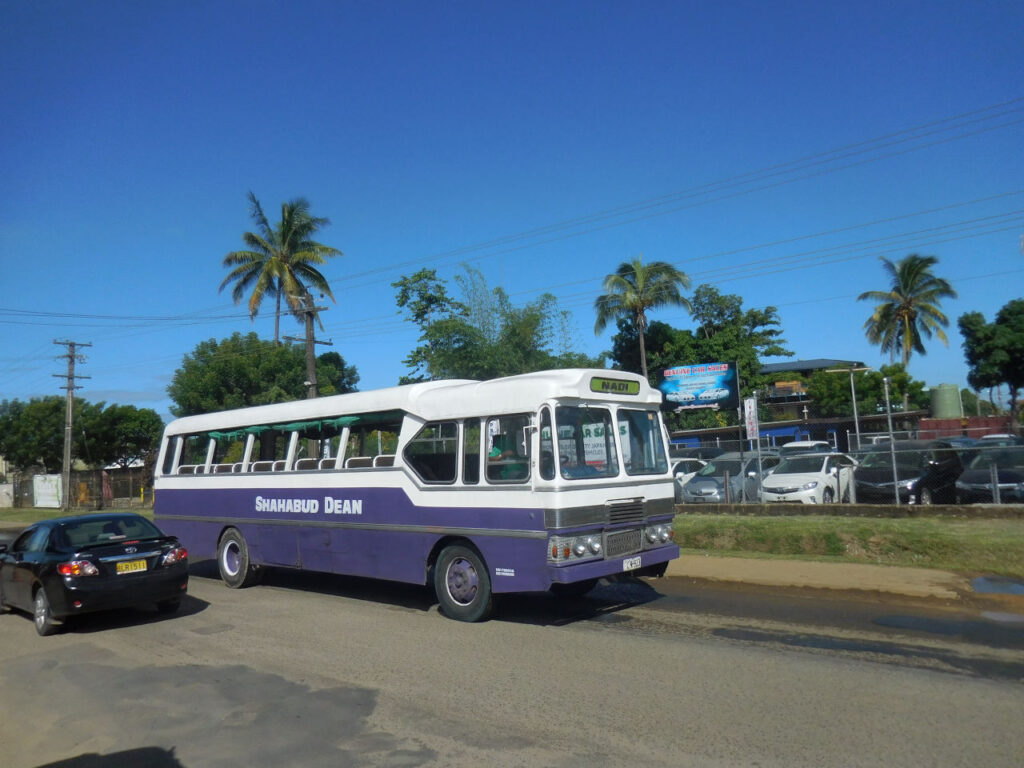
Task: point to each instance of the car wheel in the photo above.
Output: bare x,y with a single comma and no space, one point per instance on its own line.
42,616
463,585
828,496
169,606
233,561
576,589
926,497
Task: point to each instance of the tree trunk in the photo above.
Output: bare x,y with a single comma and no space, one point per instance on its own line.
643,351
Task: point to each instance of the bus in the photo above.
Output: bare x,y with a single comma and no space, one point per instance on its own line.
540,482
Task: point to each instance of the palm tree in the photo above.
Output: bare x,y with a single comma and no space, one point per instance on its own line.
635,288
281,260
909,310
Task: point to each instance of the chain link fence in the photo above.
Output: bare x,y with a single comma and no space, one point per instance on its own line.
91,490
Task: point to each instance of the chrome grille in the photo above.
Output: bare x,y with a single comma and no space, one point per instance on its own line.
622,542
631,511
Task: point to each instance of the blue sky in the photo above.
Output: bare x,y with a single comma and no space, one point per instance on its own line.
775,150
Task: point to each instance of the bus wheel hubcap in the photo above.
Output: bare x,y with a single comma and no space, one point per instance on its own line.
231,559
462,581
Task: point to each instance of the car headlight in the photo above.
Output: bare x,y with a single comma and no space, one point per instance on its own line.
809,486
905,483
963,486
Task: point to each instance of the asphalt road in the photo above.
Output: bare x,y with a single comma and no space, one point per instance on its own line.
310,670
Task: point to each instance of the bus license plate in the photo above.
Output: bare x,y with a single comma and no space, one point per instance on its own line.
131,566
631,563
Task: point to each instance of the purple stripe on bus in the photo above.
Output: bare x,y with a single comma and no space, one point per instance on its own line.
515,559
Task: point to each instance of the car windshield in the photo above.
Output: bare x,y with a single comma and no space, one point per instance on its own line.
1007,458
715,468
881,458
800,465
101,529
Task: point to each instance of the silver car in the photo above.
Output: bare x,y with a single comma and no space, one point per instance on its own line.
708,485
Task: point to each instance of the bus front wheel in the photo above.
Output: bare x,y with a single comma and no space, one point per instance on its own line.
233,560
463,585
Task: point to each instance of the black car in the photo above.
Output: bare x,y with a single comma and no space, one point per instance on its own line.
975,484
926,473
71,565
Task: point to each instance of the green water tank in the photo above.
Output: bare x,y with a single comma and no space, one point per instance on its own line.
946,402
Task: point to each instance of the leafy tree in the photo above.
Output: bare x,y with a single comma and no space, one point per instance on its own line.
118,434
909,310
485,336
995,352
830,392
241,371
632,290
975,405
281,260
32,433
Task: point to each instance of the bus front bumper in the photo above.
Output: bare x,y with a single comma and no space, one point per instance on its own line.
639,563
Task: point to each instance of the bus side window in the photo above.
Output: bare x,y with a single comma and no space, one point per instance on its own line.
432,453
547,446
471,452
169,452
507,454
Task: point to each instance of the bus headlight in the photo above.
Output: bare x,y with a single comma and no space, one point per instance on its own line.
569,549
657,535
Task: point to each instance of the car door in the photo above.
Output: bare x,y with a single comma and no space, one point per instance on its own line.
20,562
944,469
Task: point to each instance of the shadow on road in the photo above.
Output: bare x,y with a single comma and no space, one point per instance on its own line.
603,603
143,757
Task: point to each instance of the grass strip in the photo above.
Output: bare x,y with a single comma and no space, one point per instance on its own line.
970,547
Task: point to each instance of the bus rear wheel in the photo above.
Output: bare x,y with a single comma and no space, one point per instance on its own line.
233,561
462,584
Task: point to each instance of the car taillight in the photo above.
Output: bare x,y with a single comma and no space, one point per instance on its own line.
78,568
176,555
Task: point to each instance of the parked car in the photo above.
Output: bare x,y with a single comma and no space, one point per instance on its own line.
805,446
682,471
67,566
926,472
708,485
975,484
810,478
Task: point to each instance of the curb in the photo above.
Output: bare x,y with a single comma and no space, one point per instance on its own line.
896,580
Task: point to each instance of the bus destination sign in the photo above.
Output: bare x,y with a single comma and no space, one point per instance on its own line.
614,386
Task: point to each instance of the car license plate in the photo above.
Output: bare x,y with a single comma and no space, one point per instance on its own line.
131,566
631,563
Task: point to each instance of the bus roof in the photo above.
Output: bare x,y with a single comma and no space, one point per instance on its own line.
453,398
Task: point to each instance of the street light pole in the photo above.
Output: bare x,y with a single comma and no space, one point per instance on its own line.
892,443
853,397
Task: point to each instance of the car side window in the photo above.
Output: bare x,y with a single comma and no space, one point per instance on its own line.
32,541
20,544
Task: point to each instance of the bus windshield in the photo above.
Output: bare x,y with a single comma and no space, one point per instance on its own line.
586,442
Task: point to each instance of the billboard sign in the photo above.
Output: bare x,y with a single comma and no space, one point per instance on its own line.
708,385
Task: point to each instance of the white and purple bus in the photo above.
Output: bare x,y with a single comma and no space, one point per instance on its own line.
544,481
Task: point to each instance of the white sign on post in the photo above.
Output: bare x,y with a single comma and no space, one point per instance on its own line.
750,415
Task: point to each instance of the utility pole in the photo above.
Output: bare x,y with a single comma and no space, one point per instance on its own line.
72,357
309,312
